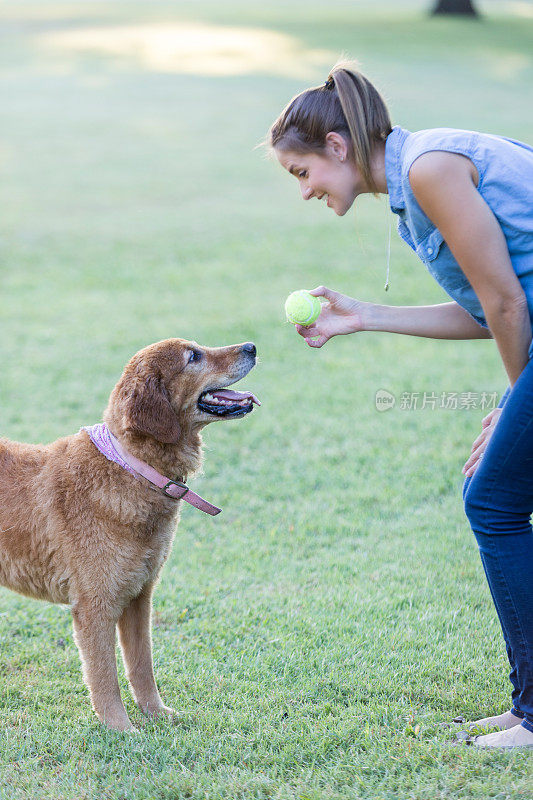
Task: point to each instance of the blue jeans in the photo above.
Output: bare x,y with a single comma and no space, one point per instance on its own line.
498,503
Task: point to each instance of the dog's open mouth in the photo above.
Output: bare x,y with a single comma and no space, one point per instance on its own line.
227,403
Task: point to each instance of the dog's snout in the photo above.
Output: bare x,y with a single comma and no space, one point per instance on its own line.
249,347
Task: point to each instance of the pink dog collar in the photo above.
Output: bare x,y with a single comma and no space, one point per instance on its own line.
111,448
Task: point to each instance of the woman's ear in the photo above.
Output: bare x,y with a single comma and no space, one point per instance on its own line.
336,145
149,411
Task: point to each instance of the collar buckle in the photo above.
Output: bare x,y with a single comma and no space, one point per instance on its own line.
180,484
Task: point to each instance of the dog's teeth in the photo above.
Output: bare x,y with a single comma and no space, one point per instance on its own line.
219,401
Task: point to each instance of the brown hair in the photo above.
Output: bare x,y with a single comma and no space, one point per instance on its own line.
346,103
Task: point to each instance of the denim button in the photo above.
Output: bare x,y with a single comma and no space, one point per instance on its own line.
430,250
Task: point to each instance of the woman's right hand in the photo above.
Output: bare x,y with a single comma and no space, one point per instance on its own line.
340,315
488,424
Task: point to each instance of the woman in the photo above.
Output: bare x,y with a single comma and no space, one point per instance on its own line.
465,205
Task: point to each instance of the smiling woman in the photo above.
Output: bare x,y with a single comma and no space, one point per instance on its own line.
344,121
464,202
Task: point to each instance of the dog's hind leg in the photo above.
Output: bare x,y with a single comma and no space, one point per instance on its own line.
134,629
94,633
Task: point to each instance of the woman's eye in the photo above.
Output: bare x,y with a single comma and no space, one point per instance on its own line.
302,174
195,356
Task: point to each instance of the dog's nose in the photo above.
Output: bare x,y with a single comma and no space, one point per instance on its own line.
249,347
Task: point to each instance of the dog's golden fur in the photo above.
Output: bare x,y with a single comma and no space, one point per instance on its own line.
77,528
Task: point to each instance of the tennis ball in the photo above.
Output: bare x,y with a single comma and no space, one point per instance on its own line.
302,308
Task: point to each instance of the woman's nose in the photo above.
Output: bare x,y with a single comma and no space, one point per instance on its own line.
307,192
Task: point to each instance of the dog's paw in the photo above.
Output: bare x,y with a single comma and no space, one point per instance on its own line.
170,714
121,726
162,711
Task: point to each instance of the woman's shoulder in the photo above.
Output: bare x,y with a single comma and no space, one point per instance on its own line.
481,148
451,140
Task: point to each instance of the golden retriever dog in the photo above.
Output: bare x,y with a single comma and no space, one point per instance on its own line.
77,527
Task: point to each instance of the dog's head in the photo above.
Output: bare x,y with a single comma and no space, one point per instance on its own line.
176,385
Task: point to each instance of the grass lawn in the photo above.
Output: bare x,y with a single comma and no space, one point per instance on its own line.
319,632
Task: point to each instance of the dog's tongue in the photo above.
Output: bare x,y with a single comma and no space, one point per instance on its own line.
229,394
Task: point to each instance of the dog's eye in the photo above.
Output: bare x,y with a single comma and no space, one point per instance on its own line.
195,356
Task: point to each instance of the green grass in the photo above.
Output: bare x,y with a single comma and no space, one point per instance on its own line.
318,632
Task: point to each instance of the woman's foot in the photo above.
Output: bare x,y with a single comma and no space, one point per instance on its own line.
503,721
517,736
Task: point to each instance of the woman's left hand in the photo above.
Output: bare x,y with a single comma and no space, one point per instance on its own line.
478,448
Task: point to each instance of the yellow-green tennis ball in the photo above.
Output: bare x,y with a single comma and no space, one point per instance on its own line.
302,308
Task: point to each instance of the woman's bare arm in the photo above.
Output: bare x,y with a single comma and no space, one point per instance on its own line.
443,321
343,314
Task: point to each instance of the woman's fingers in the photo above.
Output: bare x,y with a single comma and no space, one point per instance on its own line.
473,462
311,335
317,341
306,330
485,422
481,438
339,315
323,291
480,444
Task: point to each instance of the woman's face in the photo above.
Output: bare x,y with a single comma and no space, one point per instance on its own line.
331,175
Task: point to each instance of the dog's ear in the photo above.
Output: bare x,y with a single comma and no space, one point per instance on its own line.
149,411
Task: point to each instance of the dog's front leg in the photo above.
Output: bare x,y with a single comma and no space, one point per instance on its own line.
94,633
135,635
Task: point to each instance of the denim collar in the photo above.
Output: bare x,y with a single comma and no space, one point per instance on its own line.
393,167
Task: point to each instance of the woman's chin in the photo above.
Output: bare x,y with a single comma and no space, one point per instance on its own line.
340,211
340,207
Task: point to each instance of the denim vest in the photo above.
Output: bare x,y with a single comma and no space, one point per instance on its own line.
505,169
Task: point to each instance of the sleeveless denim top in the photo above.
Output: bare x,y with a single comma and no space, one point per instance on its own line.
505,169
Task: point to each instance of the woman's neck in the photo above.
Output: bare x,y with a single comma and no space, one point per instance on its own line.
378,168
